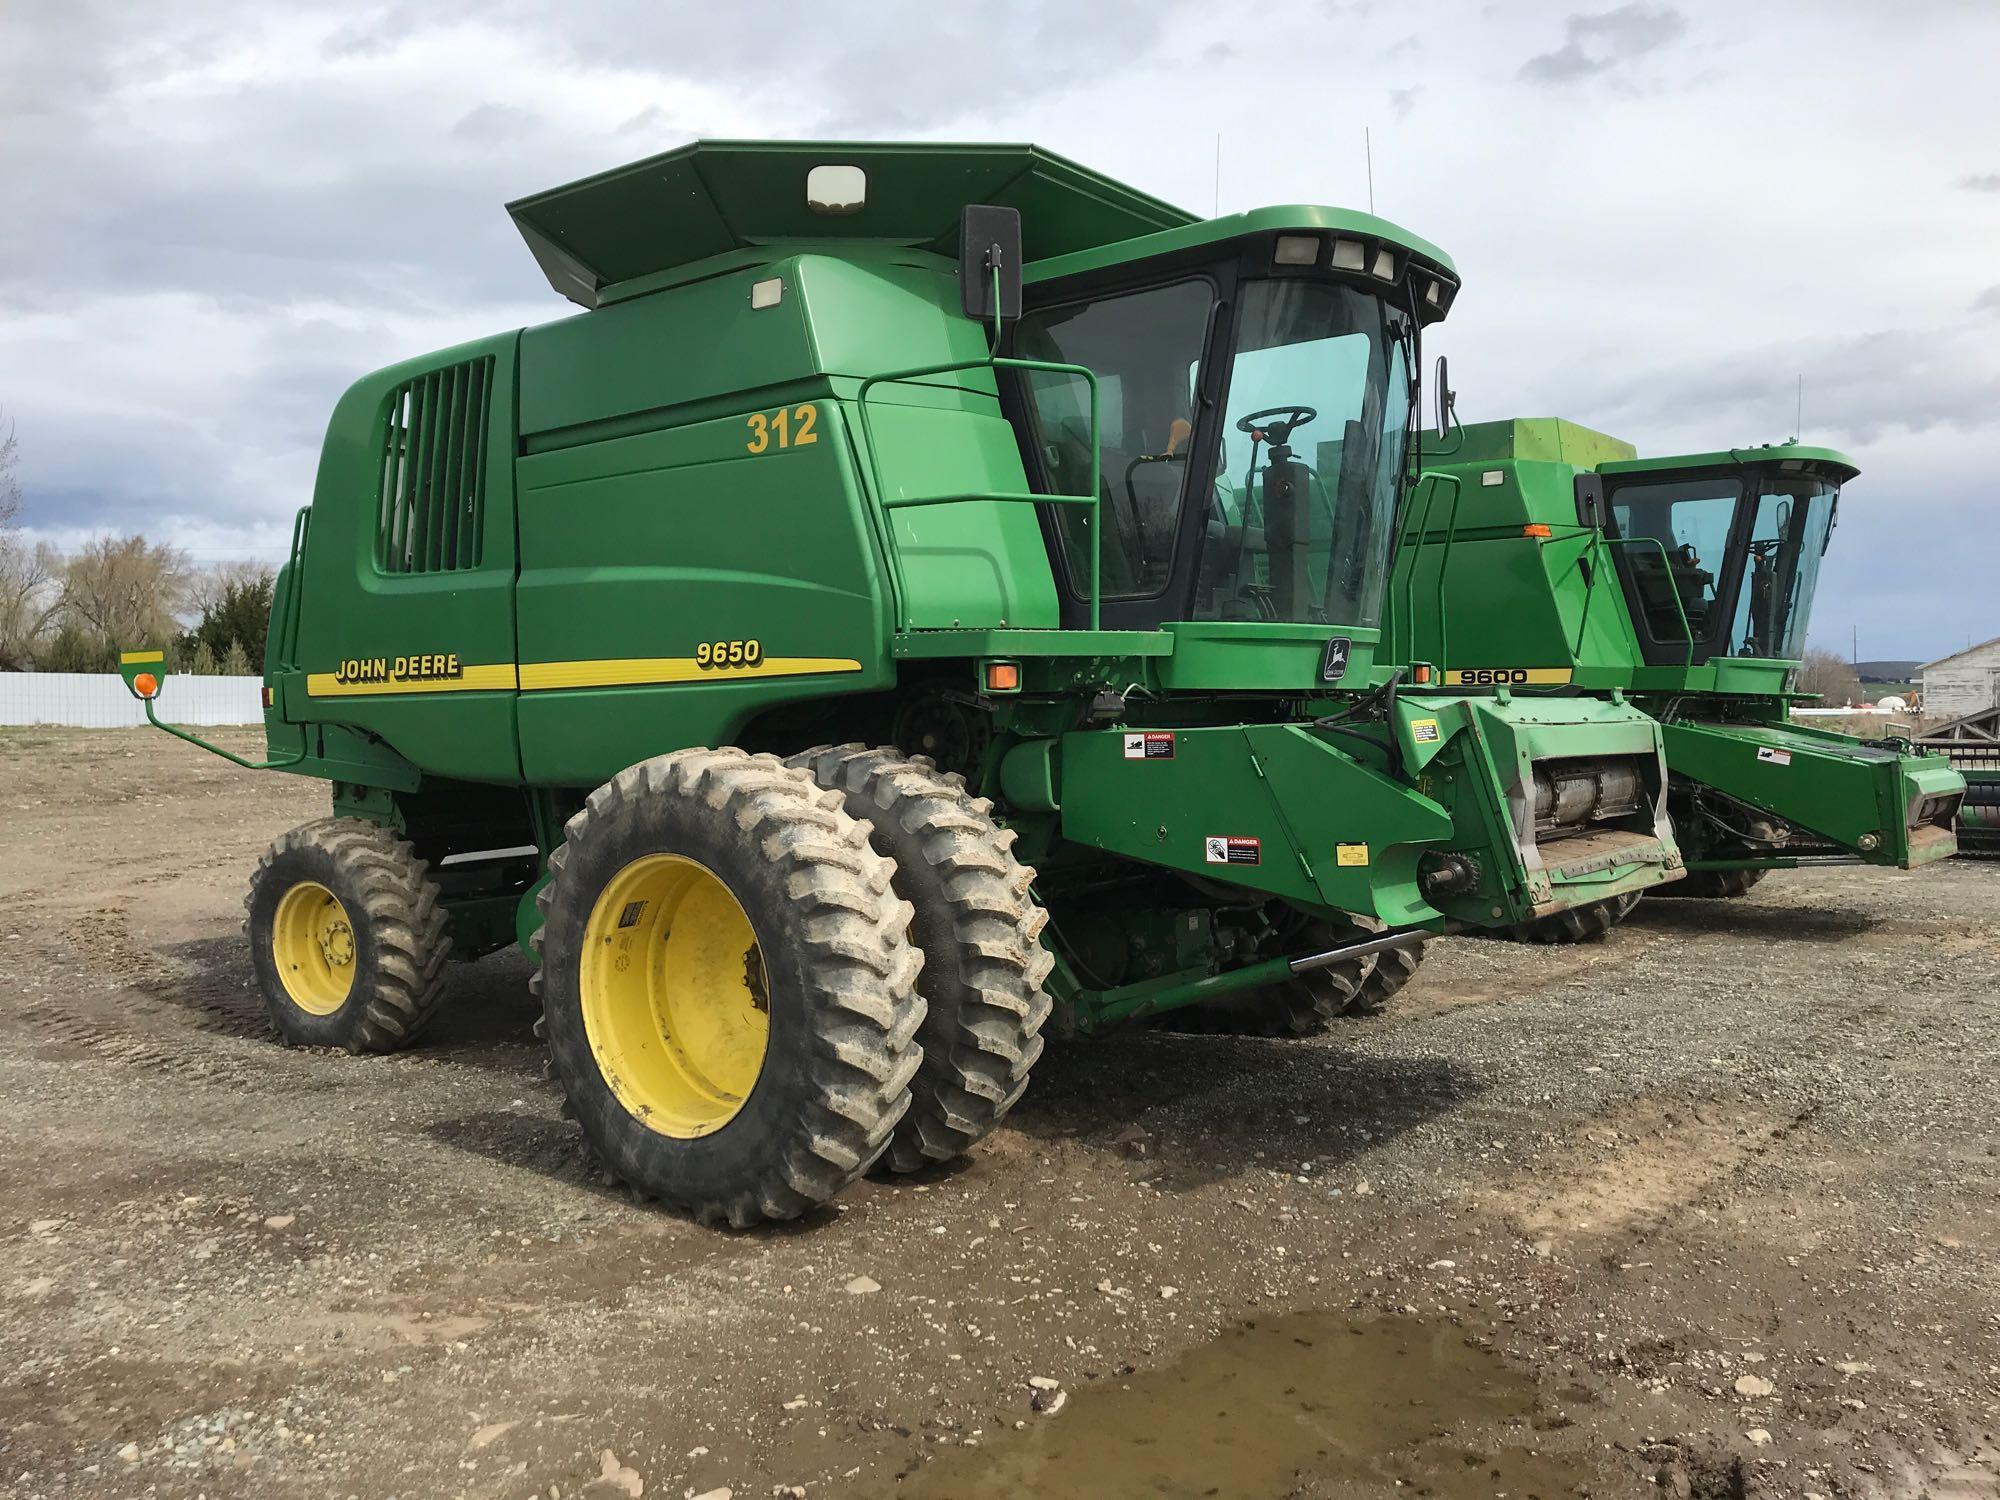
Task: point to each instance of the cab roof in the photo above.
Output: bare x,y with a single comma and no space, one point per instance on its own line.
1784,457
600,235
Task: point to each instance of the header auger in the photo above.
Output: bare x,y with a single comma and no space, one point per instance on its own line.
931,594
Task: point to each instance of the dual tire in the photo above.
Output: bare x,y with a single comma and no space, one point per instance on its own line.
761,978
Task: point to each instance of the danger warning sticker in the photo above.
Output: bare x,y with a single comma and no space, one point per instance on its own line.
1152,744
1224,850
1350,854
1774,757
1424,731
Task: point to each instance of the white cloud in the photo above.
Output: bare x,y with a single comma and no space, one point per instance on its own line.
231,211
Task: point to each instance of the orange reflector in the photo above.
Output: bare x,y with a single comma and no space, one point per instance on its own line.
1003,677
1422,673
145,684
1536,528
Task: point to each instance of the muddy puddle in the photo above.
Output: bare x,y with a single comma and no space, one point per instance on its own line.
1314,1404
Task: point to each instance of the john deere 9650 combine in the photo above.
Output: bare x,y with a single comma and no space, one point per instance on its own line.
927,587
1540,557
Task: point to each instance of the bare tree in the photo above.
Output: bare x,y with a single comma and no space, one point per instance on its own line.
31,599
10,473
1829,675
125,591
209,587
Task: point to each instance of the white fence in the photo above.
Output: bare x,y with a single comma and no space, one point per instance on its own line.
90,700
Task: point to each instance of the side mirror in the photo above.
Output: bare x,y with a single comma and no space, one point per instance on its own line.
1447,400
989,240
1590,500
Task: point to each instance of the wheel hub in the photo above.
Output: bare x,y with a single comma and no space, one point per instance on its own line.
675,997
312,945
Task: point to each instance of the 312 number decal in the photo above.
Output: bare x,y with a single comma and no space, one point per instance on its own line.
711,654
790,427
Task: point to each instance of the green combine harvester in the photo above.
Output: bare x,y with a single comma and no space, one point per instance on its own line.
928,590
1540,560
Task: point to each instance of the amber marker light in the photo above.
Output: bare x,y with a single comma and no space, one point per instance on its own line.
1003,677
146,685
1536,529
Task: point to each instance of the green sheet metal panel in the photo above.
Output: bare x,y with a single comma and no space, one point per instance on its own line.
1548,439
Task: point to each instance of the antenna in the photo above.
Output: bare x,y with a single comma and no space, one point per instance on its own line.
1799,412
1218,176
1368,153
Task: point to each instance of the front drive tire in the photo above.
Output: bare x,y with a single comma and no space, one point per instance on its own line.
728,987
347,937
1579,924
979,929
1713,885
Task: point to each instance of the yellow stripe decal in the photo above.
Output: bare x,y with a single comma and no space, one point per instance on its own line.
131,658
541,676
634,671
499,676
1507,676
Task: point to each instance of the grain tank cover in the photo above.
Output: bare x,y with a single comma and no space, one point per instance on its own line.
601,238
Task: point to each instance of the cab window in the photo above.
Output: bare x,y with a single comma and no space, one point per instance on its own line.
1141,346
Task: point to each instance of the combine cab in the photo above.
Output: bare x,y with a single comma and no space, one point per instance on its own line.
928,589
1546,561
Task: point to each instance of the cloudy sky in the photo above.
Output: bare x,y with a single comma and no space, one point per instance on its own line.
219,214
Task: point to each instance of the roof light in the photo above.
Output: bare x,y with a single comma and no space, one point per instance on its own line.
1384,268
836,188
767,293
1432,295
1350,255
1297,250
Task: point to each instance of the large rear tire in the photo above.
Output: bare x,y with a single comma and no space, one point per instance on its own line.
979,930
347,937
728,987
1713,885
1579,924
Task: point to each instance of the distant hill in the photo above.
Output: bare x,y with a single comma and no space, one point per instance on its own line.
1886,671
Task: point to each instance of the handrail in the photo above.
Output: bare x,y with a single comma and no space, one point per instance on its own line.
1407,623
907,502
1444,570
1667,566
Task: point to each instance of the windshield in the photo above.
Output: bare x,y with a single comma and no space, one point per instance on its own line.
1788,536
1311,458
1712,568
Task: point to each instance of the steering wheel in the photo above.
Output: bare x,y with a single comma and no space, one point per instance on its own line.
1278,432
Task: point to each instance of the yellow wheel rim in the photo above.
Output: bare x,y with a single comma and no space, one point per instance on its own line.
312,942
675,1000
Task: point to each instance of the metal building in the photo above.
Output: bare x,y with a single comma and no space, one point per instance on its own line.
1966,682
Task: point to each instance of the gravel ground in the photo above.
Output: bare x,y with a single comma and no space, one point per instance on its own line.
1715,1204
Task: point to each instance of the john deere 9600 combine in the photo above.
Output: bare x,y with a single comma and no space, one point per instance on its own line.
928,587
1540,557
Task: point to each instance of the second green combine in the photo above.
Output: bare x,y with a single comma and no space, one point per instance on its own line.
1542,561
